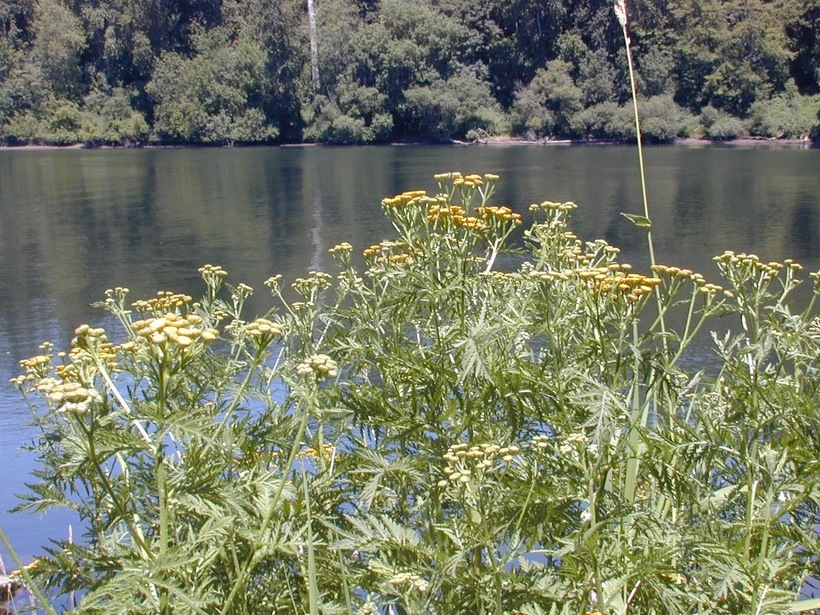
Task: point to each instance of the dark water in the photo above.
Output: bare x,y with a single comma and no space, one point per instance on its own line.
74,223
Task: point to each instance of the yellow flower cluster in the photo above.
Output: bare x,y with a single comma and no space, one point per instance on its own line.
71,397
172,327
38,366
163,302
405,198
686,274
86,336
571,444
401,259
677,272
469,181
541,441
319,365
375,250
89,340
328,452
341,248
383,253
263,328
465,461
69,393
212,270
414,581
677,579
457,215
555,207
750,265
616,282
315,282
274,283
502,213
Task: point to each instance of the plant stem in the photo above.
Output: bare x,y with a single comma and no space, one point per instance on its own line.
30,584
239,582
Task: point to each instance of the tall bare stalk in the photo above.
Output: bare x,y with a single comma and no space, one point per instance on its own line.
646,220
620,12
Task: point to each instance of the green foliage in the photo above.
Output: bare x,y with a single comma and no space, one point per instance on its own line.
213,97
605,120
432,432
59,121
785,115
112,119
733,87
59,41
21,86
590,70
803,34
244,67
662,119
453,108
355,117
547,105
720,125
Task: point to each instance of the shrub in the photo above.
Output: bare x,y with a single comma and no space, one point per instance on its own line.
355,116
437,434
605,120
452,108
662,119
782,116
721,126
110,118
547,105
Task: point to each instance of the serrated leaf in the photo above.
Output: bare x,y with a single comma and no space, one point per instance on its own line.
641,221
804,605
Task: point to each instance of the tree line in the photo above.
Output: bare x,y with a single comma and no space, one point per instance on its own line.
359,71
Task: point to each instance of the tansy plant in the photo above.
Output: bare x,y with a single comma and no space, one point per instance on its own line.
431,432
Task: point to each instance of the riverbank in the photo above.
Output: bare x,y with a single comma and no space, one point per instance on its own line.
506,140
689,141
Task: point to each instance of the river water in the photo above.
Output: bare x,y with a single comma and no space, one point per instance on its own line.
74,223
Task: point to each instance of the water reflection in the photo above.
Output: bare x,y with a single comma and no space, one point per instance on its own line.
74,223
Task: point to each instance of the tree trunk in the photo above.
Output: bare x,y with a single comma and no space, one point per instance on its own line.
314,48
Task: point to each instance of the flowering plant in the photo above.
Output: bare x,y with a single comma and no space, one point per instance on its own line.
460,425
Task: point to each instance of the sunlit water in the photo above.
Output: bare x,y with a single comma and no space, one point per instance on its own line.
74,223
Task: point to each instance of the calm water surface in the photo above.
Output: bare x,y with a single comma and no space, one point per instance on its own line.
74,223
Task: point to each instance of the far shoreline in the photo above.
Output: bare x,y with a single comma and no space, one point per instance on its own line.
749,142
688,141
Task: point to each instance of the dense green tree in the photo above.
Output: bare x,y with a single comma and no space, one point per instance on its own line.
804,33
216,96
124,37
355,115
548,104
534,26
409,44
59,40
15,19
459,107
236,71
276,27
590,70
